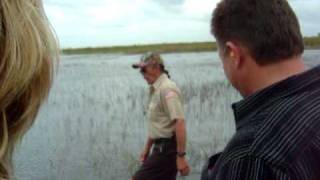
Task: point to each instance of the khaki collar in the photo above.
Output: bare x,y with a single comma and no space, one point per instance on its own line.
156,85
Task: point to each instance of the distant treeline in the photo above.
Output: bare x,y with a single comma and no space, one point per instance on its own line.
136,49
310,43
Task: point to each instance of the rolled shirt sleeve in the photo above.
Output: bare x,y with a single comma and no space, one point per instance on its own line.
172,103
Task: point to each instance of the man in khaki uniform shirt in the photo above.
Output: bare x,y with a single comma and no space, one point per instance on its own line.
166,126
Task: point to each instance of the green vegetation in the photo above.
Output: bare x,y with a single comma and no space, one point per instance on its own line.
136,49
310,43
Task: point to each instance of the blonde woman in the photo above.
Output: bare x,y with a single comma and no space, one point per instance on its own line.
27,52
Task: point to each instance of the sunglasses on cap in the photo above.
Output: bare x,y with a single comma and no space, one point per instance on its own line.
147,56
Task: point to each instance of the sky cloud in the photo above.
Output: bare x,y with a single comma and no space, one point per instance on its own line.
83,23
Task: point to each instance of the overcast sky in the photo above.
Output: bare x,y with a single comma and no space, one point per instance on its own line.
90,23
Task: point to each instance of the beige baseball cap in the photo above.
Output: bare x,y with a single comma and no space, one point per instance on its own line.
147,59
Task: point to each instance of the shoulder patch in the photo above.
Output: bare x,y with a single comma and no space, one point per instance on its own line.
170,94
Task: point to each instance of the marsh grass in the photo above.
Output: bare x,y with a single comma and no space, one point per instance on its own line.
94,126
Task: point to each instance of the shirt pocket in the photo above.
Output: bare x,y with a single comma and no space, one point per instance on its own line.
155,109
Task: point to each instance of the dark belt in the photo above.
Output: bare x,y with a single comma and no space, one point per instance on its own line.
164,140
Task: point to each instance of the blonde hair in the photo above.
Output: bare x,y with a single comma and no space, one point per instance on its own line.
28,50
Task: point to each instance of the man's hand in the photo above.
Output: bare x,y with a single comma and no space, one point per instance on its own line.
183,166
143,156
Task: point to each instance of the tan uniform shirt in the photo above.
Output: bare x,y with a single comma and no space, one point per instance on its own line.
165,106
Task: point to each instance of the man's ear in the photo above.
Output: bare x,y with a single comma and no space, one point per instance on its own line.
233,53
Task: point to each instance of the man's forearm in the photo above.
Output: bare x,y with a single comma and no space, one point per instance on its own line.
181,135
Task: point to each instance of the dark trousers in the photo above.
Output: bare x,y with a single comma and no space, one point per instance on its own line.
161,164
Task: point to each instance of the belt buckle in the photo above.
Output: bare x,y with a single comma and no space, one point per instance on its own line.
159,147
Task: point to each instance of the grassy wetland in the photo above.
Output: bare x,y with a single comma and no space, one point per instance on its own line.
310,43
93,125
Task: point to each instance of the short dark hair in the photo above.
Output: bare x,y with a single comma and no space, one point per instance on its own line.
268,28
